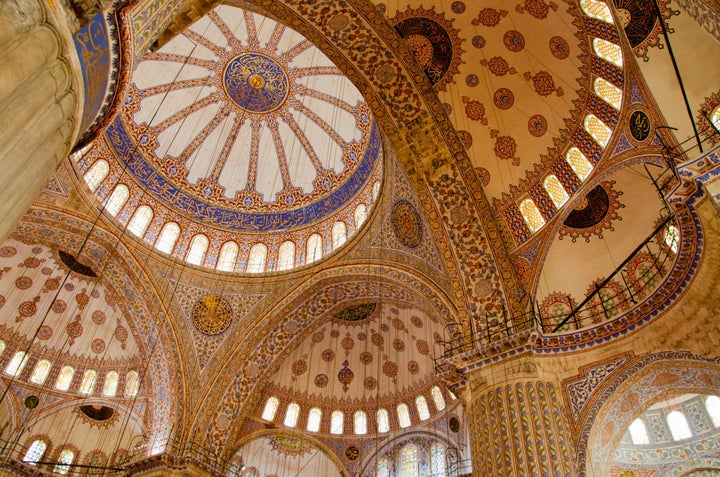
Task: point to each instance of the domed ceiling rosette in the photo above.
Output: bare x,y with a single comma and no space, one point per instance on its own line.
242,125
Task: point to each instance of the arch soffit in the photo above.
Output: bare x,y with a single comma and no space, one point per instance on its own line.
648,379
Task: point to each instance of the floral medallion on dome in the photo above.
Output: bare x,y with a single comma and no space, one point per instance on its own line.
212,315
407,224
594,213
640,21
434,42
346,375
256,83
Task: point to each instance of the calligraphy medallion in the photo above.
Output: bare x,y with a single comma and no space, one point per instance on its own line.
256,83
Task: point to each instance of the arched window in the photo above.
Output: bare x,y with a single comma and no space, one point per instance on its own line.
117,199
314,248
96,174
256,262
227,257
638,432
360,215
314,418
383,468
17,363
64,379
140,220
597,129
596,9
531,215
336,422
198,247
64,461
608,51
712,404
437,459
579,163
438,398
678,425
35,452
339,234
409,461
88,381
671,235
403,415
2,346
555,190
270,408
360,422
383,420
715,117
422,408
111,383
132,383
41,371
292,414
286,256
168,237
608,92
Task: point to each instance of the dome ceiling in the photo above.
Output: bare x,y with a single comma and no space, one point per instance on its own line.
241,129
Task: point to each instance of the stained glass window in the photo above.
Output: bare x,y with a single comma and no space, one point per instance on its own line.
41,371
314,248
64,461
140,220
227,257
531,215
314,418
712,404
383,468
597,129
117,199
438,398
17,363
198,247
360,215
35,452
132,383
383,420
336,422
403,415
608,51
96,174
608,92
286,256
555,190
579,163
292,414
339,234
64,379
638,432
422,408
168,237
256,262
111,383
678,425
437,459
596,9
360,422
671,235
409,461
88,381
270,408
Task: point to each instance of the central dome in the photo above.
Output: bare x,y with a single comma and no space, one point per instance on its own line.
242,132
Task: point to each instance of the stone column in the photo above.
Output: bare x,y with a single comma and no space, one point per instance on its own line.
518,428
39,102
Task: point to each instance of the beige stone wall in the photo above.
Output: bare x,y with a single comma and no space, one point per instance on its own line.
40,103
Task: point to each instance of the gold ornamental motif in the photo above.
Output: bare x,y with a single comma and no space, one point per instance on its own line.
212,315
